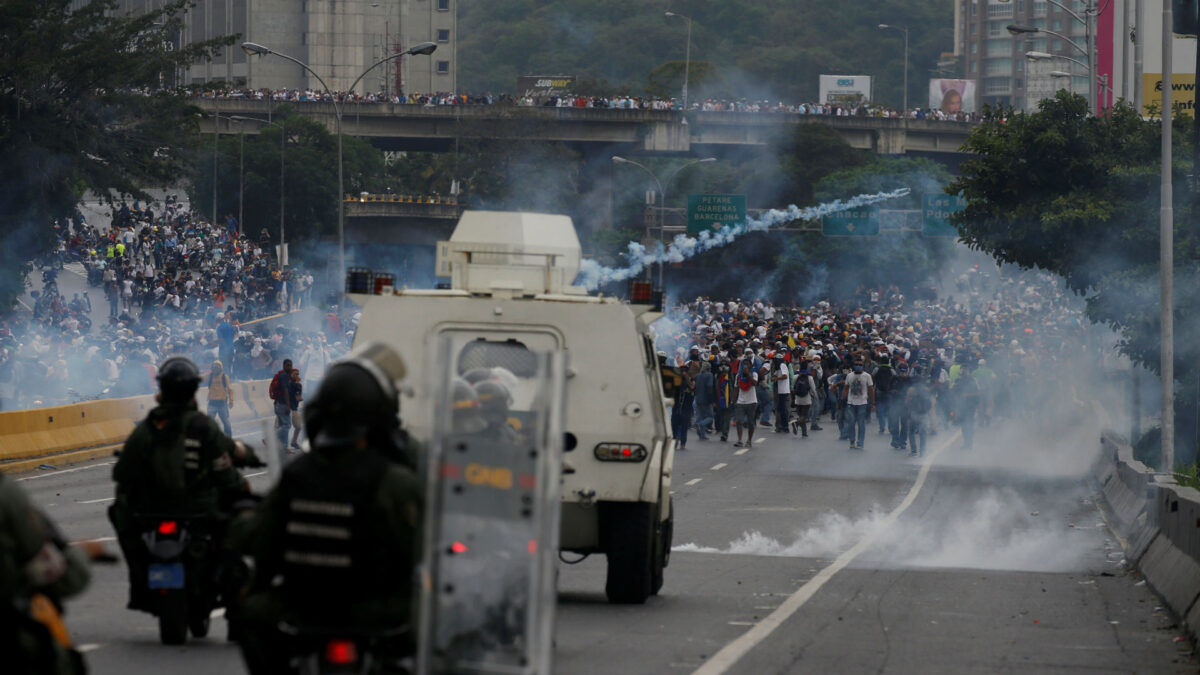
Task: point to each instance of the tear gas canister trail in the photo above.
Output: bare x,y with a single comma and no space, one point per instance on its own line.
592,274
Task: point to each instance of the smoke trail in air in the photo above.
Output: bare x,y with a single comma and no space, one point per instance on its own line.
592,274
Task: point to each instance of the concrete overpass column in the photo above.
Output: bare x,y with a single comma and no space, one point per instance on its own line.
666,137
891,140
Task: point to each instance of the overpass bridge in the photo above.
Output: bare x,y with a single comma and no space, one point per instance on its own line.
435,128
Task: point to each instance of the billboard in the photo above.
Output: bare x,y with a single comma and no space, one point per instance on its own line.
952,96
545,85
848,89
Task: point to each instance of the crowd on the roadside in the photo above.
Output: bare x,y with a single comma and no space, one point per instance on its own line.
1001,347
604,102
173,283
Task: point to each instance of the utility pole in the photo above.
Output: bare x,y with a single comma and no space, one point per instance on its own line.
1166,251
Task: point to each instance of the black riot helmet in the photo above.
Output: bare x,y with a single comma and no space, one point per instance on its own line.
357,395
178,379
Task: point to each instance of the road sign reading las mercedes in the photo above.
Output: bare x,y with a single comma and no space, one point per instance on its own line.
862,221
936,210
712,212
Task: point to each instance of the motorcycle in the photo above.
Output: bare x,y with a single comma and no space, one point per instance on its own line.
182,574
321,650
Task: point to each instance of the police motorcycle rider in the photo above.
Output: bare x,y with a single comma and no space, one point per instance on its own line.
38,570
335,543
176,461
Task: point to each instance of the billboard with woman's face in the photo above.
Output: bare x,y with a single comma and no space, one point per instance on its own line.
952,96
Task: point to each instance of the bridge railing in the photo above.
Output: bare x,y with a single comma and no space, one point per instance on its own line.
402,199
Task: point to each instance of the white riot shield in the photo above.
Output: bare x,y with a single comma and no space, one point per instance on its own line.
493,483
275,457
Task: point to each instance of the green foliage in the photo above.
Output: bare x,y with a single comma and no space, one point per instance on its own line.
73,118
760,48
1079,196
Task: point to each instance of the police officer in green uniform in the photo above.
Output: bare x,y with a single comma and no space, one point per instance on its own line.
177,461
335,543
37,571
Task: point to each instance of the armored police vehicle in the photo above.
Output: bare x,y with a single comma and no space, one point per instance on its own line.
511,292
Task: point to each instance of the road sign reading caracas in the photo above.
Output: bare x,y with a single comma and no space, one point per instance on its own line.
935,212
862,221
712,212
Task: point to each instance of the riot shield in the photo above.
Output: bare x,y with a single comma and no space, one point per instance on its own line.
493,481
275,457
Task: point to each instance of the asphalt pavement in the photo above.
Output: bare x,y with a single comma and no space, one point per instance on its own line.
798,555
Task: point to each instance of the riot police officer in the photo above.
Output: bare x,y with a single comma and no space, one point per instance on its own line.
37,571
176,461
335,542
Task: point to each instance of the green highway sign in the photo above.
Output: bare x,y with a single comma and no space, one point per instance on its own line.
859,222
712,212
935,213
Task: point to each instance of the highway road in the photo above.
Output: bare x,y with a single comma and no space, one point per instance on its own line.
801,556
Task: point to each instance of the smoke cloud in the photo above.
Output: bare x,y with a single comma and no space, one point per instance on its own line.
592,274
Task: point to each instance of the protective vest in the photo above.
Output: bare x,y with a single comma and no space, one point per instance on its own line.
182,463
328,555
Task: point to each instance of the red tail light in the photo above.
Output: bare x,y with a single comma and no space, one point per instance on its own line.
168,527
341,652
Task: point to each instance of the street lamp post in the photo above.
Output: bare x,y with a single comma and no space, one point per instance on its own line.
424,48
884,26
687,58
1089,15
282,140
217,117
662,218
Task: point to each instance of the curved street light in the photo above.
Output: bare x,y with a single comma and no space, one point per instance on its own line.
663,196
255,49
884,26
687,58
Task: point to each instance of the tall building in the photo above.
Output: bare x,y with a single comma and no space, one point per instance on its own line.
996,59
338,39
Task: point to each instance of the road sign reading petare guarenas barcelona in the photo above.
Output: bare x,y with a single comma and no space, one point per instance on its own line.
861,221
712,212
936,210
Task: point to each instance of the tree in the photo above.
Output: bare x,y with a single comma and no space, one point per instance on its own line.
82,108
1077,195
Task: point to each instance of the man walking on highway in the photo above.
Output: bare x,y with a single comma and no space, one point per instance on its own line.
747,399
859,395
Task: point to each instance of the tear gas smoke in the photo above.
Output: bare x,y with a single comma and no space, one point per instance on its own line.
1000,529
592,274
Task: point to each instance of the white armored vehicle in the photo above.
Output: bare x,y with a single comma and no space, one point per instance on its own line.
511,291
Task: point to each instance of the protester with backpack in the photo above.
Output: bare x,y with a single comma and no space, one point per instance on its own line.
280,393
918,402
804,390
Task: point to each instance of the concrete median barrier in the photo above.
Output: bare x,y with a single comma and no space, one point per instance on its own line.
1159,523
52,432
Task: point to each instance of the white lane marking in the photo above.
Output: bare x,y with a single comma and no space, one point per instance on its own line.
255,475
24,305
742,451
693,481
724,660
760,440
97,501
88,648
71,267
59,472
718,467
740,623
97,539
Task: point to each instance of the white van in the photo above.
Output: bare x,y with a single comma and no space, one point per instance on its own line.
511,277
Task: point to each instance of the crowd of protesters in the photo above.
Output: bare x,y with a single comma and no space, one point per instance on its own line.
172,283
1001,347
607,102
